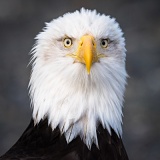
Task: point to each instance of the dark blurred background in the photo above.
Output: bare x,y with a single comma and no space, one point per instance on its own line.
20,22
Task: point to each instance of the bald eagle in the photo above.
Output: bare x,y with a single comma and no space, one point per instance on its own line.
77,86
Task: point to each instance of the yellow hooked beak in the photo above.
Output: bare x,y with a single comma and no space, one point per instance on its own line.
86,52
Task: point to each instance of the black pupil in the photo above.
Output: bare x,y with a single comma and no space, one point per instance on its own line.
103,42
68,42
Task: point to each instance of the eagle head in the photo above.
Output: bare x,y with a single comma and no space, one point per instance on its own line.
78,75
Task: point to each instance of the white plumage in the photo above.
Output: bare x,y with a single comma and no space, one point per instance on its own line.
62,90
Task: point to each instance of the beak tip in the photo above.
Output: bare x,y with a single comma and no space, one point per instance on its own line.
88,71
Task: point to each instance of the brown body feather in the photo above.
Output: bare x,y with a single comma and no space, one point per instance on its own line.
40,142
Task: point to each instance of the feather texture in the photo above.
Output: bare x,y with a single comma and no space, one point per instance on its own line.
40,142
63,91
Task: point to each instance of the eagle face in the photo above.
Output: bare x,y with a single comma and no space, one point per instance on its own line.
78,75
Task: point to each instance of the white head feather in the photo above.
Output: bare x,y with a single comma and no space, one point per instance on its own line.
62,91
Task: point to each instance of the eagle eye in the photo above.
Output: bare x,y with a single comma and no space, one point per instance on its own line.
104,43
67,42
